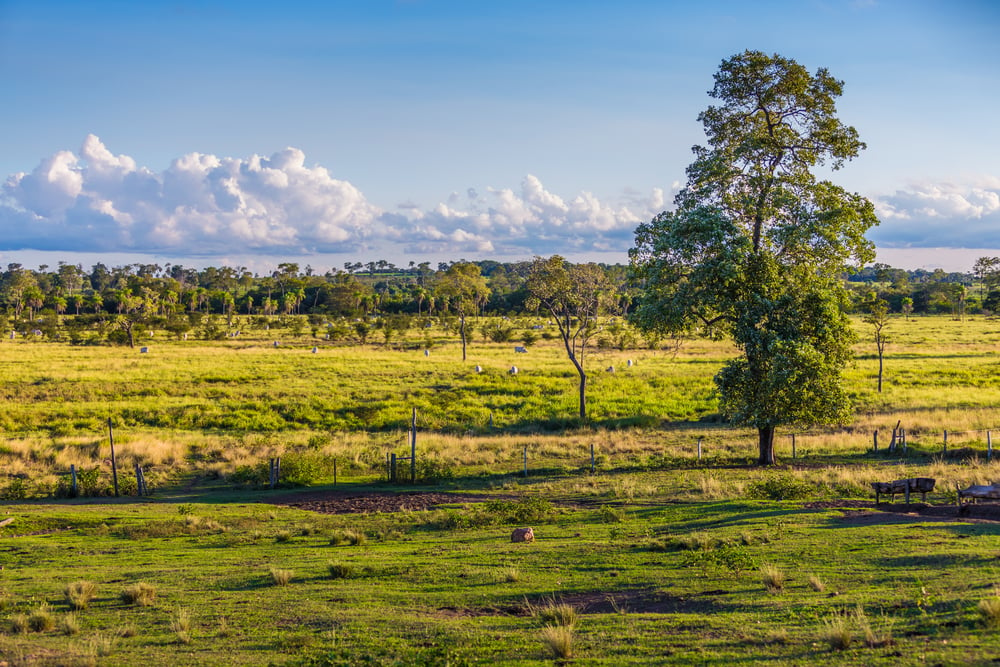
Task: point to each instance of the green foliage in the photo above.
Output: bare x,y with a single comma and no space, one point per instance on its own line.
756,245
780,487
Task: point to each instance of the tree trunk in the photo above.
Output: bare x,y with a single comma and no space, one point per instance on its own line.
583,395
461,329
765,441
880,371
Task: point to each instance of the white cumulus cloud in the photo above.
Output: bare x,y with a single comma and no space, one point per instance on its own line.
941,215
96,201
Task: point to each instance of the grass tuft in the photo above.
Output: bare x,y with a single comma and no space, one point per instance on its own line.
562,614
558,639
837,633
180,624
350,537
816,584
79,594
989,611
281,577
341,570
41,620
141,594
70,624
772,578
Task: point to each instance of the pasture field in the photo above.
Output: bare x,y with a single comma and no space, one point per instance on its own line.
644,555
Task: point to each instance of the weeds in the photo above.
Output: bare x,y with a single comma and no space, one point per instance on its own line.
350,537
837,633
560,615
816,584
989,611
507,575
19,624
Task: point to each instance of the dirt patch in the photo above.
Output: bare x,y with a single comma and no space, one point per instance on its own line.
349,502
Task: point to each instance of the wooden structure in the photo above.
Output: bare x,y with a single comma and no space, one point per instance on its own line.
904,486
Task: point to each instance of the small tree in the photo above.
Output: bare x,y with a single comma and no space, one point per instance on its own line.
575,296
878,317
464,284
906,305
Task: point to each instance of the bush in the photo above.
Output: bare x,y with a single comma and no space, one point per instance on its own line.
341,570
281,577
780,487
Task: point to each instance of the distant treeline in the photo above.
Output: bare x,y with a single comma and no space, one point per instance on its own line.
39,299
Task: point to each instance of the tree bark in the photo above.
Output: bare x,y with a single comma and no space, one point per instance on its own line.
765,441
583,395
462,331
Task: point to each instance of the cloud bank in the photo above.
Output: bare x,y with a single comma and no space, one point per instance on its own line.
96,201
203,205
941,215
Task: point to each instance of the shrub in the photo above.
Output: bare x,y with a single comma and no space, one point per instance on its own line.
351,537
283,536
780,487
79,594
141,594
18,624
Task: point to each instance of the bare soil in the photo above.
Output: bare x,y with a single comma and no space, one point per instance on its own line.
351,502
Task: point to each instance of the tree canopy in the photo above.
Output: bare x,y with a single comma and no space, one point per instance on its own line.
756,245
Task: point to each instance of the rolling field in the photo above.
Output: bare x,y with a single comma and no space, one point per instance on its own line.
649,557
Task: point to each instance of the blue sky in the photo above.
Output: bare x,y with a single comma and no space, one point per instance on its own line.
324,132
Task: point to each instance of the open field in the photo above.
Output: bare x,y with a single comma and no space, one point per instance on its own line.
654,557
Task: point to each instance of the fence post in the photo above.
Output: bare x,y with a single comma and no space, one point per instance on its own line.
793,445
114,465
392,469
591,458
944,449
699,449
72,484
902,434
525,460
335,472
413,447
875,439
989,446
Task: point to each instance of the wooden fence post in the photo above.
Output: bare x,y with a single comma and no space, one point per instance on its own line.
74,491
989,446
413,447
335,472
114,464
592,462
392,468
525,460
944,449
793,445
902,434
699,449
875,439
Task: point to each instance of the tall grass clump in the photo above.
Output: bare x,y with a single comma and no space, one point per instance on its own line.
562,614
180,624
837,633
989,610
79,594
281,577
772,578
341,570
558,639
141,594
41,620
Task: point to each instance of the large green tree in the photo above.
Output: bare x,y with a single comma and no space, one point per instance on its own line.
756,245
575,295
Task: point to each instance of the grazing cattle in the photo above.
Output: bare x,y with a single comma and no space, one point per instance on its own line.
522,535
479,369
513,370
427,353
143,350
629,363
521,349
315,350
611,369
